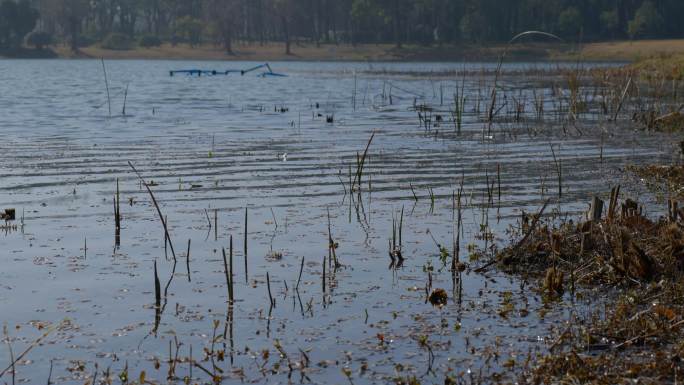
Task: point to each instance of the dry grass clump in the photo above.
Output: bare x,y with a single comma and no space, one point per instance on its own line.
637,336
635,265
670,65
624,246
669,178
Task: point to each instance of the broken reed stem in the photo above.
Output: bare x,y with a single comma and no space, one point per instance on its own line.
401,225
274,218
342,183
535,221
245,251
393,246
157,287
225,271
123,110
415,197
109,100
215,224
161,216
622,99
614,193
301,269
360,163
206,214
117,213
245,241
49,381
11,353
331,241
323,280
187,261
268,285
232,280
35,343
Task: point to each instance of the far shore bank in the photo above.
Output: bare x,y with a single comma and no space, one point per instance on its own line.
627,51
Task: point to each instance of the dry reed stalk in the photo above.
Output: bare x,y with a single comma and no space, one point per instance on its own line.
225,271
32,345
299,279
109,100
268,285
187,261
161,216
245,240
360,163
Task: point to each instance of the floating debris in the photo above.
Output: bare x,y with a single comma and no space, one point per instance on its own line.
438,297
9,215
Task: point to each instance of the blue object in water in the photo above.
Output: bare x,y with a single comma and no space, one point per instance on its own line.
200,72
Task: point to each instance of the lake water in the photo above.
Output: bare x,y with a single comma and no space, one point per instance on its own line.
224,143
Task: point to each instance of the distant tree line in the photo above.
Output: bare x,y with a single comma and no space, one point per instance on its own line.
120,24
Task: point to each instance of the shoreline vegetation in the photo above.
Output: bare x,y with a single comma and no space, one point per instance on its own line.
624,51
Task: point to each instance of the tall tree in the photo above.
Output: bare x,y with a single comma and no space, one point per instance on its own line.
70,15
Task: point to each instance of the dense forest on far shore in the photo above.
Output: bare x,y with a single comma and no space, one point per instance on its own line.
125,24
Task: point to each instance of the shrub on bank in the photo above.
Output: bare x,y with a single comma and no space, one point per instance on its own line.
39,39
117,41
148,41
